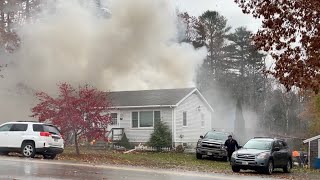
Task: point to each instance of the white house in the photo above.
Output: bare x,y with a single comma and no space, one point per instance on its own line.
185,111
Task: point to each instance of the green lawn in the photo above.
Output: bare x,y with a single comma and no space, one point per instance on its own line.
166,160
170,160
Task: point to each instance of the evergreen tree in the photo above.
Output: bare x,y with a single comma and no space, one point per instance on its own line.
161,136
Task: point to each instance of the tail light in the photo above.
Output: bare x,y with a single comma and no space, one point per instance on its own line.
47,134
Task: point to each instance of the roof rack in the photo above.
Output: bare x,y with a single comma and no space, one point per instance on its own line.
26,121
266,137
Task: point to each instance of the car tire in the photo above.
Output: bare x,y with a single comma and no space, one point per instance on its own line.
28,150
49,156
235,169
288,167
269,168
199,156
4,153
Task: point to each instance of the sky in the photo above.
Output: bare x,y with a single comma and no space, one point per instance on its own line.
227,8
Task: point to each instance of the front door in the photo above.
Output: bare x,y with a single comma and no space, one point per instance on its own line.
277,154
4,130
115,120
16,135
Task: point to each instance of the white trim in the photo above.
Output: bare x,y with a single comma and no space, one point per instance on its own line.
194,90
147,106
312,139
309,154
174,126
201,97
144,128
206,102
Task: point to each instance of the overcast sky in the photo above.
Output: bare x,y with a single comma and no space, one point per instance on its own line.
227,8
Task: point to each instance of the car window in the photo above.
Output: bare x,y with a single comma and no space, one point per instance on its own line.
276,144
216,136
5,127
37,128
51,129
19,127
258,144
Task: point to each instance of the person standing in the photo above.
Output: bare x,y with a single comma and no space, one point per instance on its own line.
231,145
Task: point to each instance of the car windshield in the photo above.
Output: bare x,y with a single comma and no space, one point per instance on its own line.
258,144
216,136
51,129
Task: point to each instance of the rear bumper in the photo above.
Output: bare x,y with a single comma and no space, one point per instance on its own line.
212,152
50,150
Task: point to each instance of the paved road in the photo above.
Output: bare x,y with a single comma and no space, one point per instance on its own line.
34,169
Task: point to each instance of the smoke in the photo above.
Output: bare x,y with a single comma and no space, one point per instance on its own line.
135,48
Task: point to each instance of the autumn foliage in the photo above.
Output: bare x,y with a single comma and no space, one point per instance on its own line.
82,111
291,32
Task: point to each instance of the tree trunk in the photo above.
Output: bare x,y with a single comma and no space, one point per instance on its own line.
76,143
28,11
98,3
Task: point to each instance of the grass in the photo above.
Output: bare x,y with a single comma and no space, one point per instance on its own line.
170,160
167,160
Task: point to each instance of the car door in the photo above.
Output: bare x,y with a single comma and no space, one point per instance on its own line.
4,130
276,154
17,133
285,154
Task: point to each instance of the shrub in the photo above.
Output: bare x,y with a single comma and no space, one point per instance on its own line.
124,142
180,149
161,136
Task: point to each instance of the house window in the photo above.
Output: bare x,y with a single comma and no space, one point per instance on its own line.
114,118
202,120
135,119
145,119
157,117
185,119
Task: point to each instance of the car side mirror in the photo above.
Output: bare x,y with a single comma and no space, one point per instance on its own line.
240,147
201,137
276,148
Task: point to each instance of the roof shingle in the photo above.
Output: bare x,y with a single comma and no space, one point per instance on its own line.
148,97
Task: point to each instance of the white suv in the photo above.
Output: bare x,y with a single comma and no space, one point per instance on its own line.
31,138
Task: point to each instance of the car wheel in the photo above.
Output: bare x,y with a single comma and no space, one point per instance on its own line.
4,153
49,156
287,168
269,168
199,156
235,169
28,150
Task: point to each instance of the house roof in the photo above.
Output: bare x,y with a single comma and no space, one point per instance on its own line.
311,139
151,98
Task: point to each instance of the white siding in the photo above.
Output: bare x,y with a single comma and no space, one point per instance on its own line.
193,129
140,135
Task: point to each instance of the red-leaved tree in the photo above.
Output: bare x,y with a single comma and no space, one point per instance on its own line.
82,111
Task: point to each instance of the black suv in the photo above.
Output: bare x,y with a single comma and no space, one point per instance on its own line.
212,144
263,155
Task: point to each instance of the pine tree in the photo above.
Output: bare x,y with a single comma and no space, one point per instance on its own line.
161,136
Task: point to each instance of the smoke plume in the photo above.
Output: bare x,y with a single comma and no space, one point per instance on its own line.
136,47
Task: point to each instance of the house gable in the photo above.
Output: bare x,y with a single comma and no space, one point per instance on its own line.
196,91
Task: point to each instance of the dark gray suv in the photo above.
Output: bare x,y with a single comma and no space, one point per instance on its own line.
263,155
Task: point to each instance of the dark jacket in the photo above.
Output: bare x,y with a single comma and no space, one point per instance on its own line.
231,145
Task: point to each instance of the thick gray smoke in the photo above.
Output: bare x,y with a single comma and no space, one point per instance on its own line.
135,48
